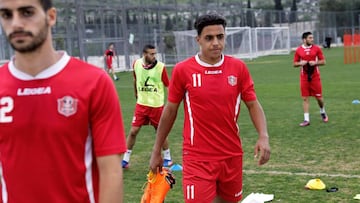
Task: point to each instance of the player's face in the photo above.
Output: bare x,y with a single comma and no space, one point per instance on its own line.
212,43
309,40
150,56
26,24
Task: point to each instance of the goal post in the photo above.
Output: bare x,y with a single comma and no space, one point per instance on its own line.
272,40
241,42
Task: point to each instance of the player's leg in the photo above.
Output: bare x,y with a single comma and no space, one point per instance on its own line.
113,73
131,138
317,88
140,118
199,181
130,142
166,153
154,117
108,64
305,93
110,68
229,188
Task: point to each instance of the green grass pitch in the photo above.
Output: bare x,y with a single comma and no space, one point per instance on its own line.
326,151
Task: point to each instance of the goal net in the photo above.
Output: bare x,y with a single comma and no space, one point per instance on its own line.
271,40
241,42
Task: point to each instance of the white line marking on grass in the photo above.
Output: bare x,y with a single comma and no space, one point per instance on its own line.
299,174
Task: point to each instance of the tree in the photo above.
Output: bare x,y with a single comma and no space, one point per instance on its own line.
250,17
168,23
333,13
293,14
280,17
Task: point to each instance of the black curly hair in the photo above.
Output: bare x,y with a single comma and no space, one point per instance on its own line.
208,19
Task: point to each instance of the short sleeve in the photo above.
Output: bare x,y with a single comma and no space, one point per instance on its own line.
246,85
106,121
320,54
177,85
296,56
165,78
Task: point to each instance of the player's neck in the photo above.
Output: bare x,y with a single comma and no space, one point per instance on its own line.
307,45
35,62
210,60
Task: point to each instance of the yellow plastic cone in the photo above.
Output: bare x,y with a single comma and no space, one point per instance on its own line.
315,184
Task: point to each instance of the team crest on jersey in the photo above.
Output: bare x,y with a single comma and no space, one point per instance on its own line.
232,80
67,106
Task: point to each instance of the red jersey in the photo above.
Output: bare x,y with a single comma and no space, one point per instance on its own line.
311,53
52,128
212,95
109,54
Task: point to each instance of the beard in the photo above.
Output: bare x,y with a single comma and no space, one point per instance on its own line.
38,40
308,43
149,60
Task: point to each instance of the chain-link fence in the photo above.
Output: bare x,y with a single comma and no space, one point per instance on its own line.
85,28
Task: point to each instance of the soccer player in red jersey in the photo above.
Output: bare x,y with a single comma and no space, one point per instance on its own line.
309,57
211,85
61,128
109,55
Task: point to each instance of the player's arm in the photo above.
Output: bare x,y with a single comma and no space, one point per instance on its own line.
258,118
300,63
297,60
111,179
320,59
134,83
167,120
108,136
317,63
165,79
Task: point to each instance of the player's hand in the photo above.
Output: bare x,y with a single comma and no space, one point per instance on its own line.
303,63
263,147
312,63
156,162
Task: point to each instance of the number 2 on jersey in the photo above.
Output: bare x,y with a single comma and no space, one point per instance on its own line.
196,79
6,106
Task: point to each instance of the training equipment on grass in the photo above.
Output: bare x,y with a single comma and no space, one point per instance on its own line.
351,47
258,198
315,184
157,186
176,167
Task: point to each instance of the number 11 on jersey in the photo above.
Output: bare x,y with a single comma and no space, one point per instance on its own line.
196,79
190,192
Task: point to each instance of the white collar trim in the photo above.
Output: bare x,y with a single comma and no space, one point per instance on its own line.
47,73
202,63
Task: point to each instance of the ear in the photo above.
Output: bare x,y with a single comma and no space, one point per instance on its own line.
51,16
197,38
